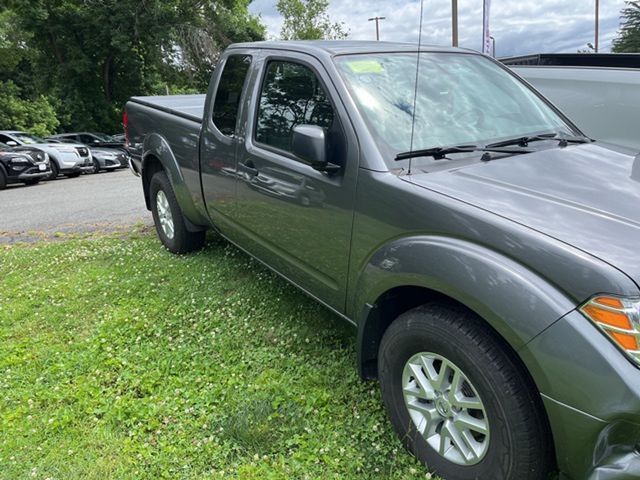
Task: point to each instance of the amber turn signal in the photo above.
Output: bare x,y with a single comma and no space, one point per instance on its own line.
619,319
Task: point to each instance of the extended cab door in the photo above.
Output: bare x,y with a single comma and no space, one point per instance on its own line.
219,139
295,218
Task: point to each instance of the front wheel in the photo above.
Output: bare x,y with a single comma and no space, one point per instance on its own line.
169,221
55,171
458,399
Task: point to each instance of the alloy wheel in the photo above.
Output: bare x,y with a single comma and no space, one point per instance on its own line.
164,214
445,408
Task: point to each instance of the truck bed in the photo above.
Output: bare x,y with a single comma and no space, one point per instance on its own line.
190,107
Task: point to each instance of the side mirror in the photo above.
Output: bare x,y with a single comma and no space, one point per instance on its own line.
309,143
11,143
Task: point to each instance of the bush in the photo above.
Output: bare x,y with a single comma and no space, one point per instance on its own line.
35,115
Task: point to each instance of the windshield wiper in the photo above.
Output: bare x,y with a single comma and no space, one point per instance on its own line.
438,153
524,141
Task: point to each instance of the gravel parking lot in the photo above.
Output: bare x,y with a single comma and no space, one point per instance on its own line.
103,202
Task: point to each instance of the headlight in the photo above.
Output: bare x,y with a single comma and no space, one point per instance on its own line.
46,157
19,160
619,319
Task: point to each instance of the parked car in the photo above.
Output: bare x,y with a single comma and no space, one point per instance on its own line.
600,91
90,139
67,159
107,159
22,165
119,138
485,250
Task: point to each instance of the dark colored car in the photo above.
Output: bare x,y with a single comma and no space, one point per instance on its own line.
90,139
22,165
484,249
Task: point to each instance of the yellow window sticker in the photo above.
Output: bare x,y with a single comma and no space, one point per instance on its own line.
365,66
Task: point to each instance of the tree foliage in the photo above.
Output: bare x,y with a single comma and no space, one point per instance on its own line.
308,20
92,55
35,115
628,40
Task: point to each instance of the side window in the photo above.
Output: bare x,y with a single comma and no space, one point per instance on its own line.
4,139
225,105
86,139
291,95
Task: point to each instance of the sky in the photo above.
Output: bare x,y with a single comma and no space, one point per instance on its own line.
519,26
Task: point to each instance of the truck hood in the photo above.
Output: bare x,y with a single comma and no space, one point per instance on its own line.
585,195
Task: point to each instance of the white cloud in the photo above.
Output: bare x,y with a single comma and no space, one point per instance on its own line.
520,26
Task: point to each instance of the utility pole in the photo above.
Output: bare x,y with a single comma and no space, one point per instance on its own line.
597,25
377,19
454,23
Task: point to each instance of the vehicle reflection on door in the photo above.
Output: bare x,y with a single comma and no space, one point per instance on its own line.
286,185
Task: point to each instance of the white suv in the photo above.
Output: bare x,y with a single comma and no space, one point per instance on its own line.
66,158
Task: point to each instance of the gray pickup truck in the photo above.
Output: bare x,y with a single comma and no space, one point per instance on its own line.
486,251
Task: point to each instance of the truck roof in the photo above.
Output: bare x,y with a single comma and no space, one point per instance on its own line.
345,47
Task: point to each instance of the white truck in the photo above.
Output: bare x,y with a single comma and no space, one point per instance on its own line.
599,92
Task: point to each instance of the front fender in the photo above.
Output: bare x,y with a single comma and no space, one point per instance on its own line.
513,299
157,149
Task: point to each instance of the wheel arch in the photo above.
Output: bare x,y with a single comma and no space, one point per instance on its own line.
409,272
158,156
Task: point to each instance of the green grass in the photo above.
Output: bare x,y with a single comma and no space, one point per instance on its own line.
120,360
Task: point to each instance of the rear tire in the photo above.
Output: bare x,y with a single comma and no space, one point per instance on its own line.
168,218
441,371
3,180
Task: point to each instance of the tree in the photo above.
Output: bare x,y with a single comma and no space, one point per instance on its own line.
308,20
90,56
35,115
628,40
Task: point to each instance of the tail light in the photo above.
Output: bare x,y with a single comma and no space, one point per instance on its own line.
125,124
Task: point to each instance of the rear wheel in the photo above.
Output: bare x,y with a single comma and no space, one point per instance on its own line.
3,180
168,218
458,399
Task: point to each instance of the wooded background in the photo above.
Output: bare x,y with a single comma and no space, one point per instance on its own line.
69,65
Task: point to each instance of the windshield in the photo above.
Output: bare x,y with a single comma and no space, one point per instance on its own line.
462,99
27,139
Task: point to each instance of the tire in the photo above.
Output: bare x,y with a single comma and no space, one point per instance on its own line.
55,171
168,218
96,166
3,180
494,394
